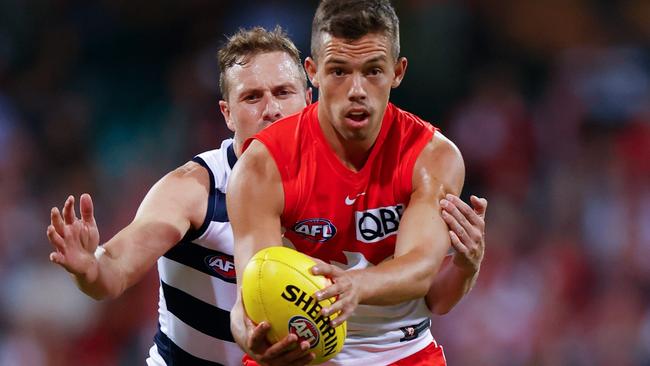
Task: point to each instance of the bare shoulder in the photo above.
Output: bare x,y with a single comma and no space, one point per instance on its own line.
440,163
191,176
442,150
191,170
184,190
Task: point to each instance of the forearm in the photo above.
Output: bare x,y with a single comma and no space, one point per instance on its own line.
238,325
404,278
125,258
449,286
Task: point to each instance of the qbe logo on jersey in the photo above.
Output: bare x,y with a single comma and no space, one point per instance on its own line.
378,223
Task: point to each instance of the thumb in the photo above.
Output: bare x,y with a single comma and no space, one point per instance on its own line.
87,209
479,205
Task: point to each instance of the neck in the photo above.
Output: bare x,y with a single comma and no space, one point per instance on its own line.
237,146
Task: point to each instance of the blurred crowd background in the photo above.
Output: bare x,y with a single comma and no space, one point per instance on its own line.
549,101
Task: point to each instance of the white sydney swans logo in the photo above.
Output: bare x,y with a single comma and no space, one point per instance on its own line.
355,260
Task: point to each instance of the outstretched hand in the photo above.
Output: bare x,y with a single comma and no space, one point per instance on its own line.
75,240
466,229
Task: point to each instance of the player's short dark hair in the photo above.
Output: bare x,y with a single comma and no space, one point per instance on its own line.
353,19
247,43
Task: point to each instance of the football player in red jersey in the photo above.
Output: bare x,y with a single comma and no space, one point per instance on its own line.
380,176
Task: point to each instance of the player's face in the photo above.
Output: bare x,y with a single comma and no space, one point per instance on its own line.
263,90
354,80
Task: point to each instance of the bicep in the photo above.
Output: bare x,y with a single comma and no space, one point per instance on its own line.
255,201
422,229
439,170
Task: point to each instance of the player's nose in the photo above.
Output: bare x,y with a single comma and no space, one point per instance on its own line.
357,90
272,110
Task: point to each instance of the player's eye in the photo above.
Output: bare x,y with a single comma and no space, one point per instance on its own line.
375,71
337,71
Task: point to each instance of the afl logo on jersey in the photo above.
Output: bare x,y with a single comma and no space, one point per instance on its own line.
316,230
378,223
222,265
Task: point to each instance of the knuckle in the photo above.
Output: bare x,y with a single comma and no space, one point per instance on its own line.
462,206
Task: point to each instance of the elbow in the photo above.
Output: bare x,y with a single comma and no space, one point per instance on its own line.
441,309
438,303
438,307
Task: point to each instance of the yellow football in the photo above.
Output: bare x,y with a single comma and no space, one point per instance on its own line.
277,287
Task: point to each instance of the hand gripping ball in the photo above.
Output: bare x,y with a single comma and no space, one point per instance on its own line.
277,287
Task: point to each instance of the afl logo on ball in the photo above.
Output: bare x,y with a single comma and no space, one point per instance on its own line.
316,230
222,265
305,330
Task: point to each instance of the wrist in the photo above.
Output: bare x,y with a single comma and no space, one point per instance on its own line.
99,252
90,274
359,276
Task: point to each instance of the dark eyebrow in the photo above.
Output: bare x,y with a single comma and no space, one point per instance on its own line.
338,61
249,91
260,90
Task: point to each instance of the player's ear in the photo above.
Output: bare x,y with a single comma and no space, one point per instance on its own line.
400,71
225,111
311,68
309,95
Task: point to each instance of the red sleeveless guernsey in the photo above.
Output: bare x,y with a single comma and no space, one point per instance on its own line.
350,219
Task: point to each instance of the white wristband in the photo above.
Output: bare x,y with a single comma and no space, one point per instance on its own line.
99,252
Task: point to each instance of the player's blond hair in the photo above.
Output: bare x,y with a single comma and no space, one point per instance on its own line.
247,43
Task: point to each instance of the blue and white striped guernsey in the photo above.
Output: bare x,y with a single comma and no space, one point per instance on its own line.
197,282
